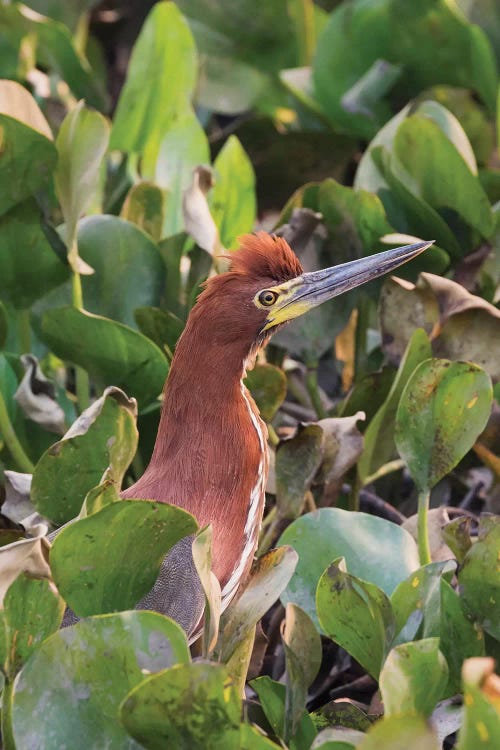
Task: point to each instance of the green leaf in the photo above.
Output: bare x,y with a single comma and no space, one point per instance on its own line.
120,551
379,447
109,351
329,533
396,732
481,718
202,558
29,267
81,144
444,407
4,325
67,13
302,645
233,201
32,610
28,159
337,738
479,578
413,678
187,706
355,614
160,81
268,385
252,739
17,102
439,174
304,450
92,666
269,577
272,696
105,435
162,327
145,207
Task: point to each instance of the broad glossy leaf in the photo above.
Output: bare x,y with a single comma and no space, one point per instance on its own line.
202,558
92,667
24,556
357,615
396,732
4,325
233,200
297,461
145,112
29,267
272,696
161,326
268,385
109,351
302,645
17,102
81,144
252,739
438,173
444,407
28,159
456,535
479,578
360,34
105,435
269,577
379,446
329,533
189,706
481,717
32,610
120,551
413,678
144,206
68,12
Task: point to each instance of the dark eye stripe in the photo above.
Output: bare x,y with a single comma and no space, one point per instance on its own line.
268,297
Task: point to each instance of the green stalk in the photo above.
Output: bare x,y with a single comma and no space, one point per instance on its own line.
7,735
11,440
313,391
353,500
24,330
81,375
424,550
361,335
302,12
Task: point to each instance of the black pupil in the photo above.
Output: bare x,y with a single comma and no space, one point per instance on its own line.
267,298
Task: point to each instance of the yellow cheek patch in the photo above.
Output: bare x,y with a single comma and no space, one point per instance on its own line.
287,312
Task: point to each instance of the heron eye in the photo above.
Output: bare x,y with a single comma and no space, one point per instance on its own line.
268,298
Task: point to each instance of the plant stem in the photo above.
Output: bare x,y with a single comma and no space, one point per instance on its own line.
273,437
24,330
302,12
424,550
81,375
385,469
353,501
362,323
7,736
268,536
313,391
11,440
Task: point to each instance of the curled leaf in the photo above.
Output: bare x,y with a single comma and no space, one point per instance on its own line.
198,221
36,396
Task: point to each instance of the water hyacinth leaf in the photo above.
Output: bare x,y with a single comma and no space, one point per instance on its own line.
444,407
120,551
17,102
343,445
304,449
233,201
268,385
28,159
93,665
105,435
81,144
379,446
460,638
357,615
17,505
368,393
396,732
339,713
202,558
337,738
420,594
252,739
161,326
272,696
456,535
32,610
144,206
237,666
36,395
481,719
413,678
109,351
68,14
329,533
145,113
155,714
269,577
24,556
29,267
479,579
4,325
302,645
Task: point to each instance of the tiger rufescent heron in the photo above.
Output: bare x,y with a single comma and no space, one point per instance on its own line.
210,456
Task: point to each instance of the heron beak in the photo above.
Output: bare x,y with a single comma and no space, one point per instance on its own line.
309,290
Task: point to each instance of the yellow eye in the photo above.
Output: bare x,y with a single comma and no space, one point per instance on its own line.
268,297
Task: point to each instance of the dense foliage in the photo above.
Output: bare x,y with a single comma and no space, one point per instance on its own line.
347,127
